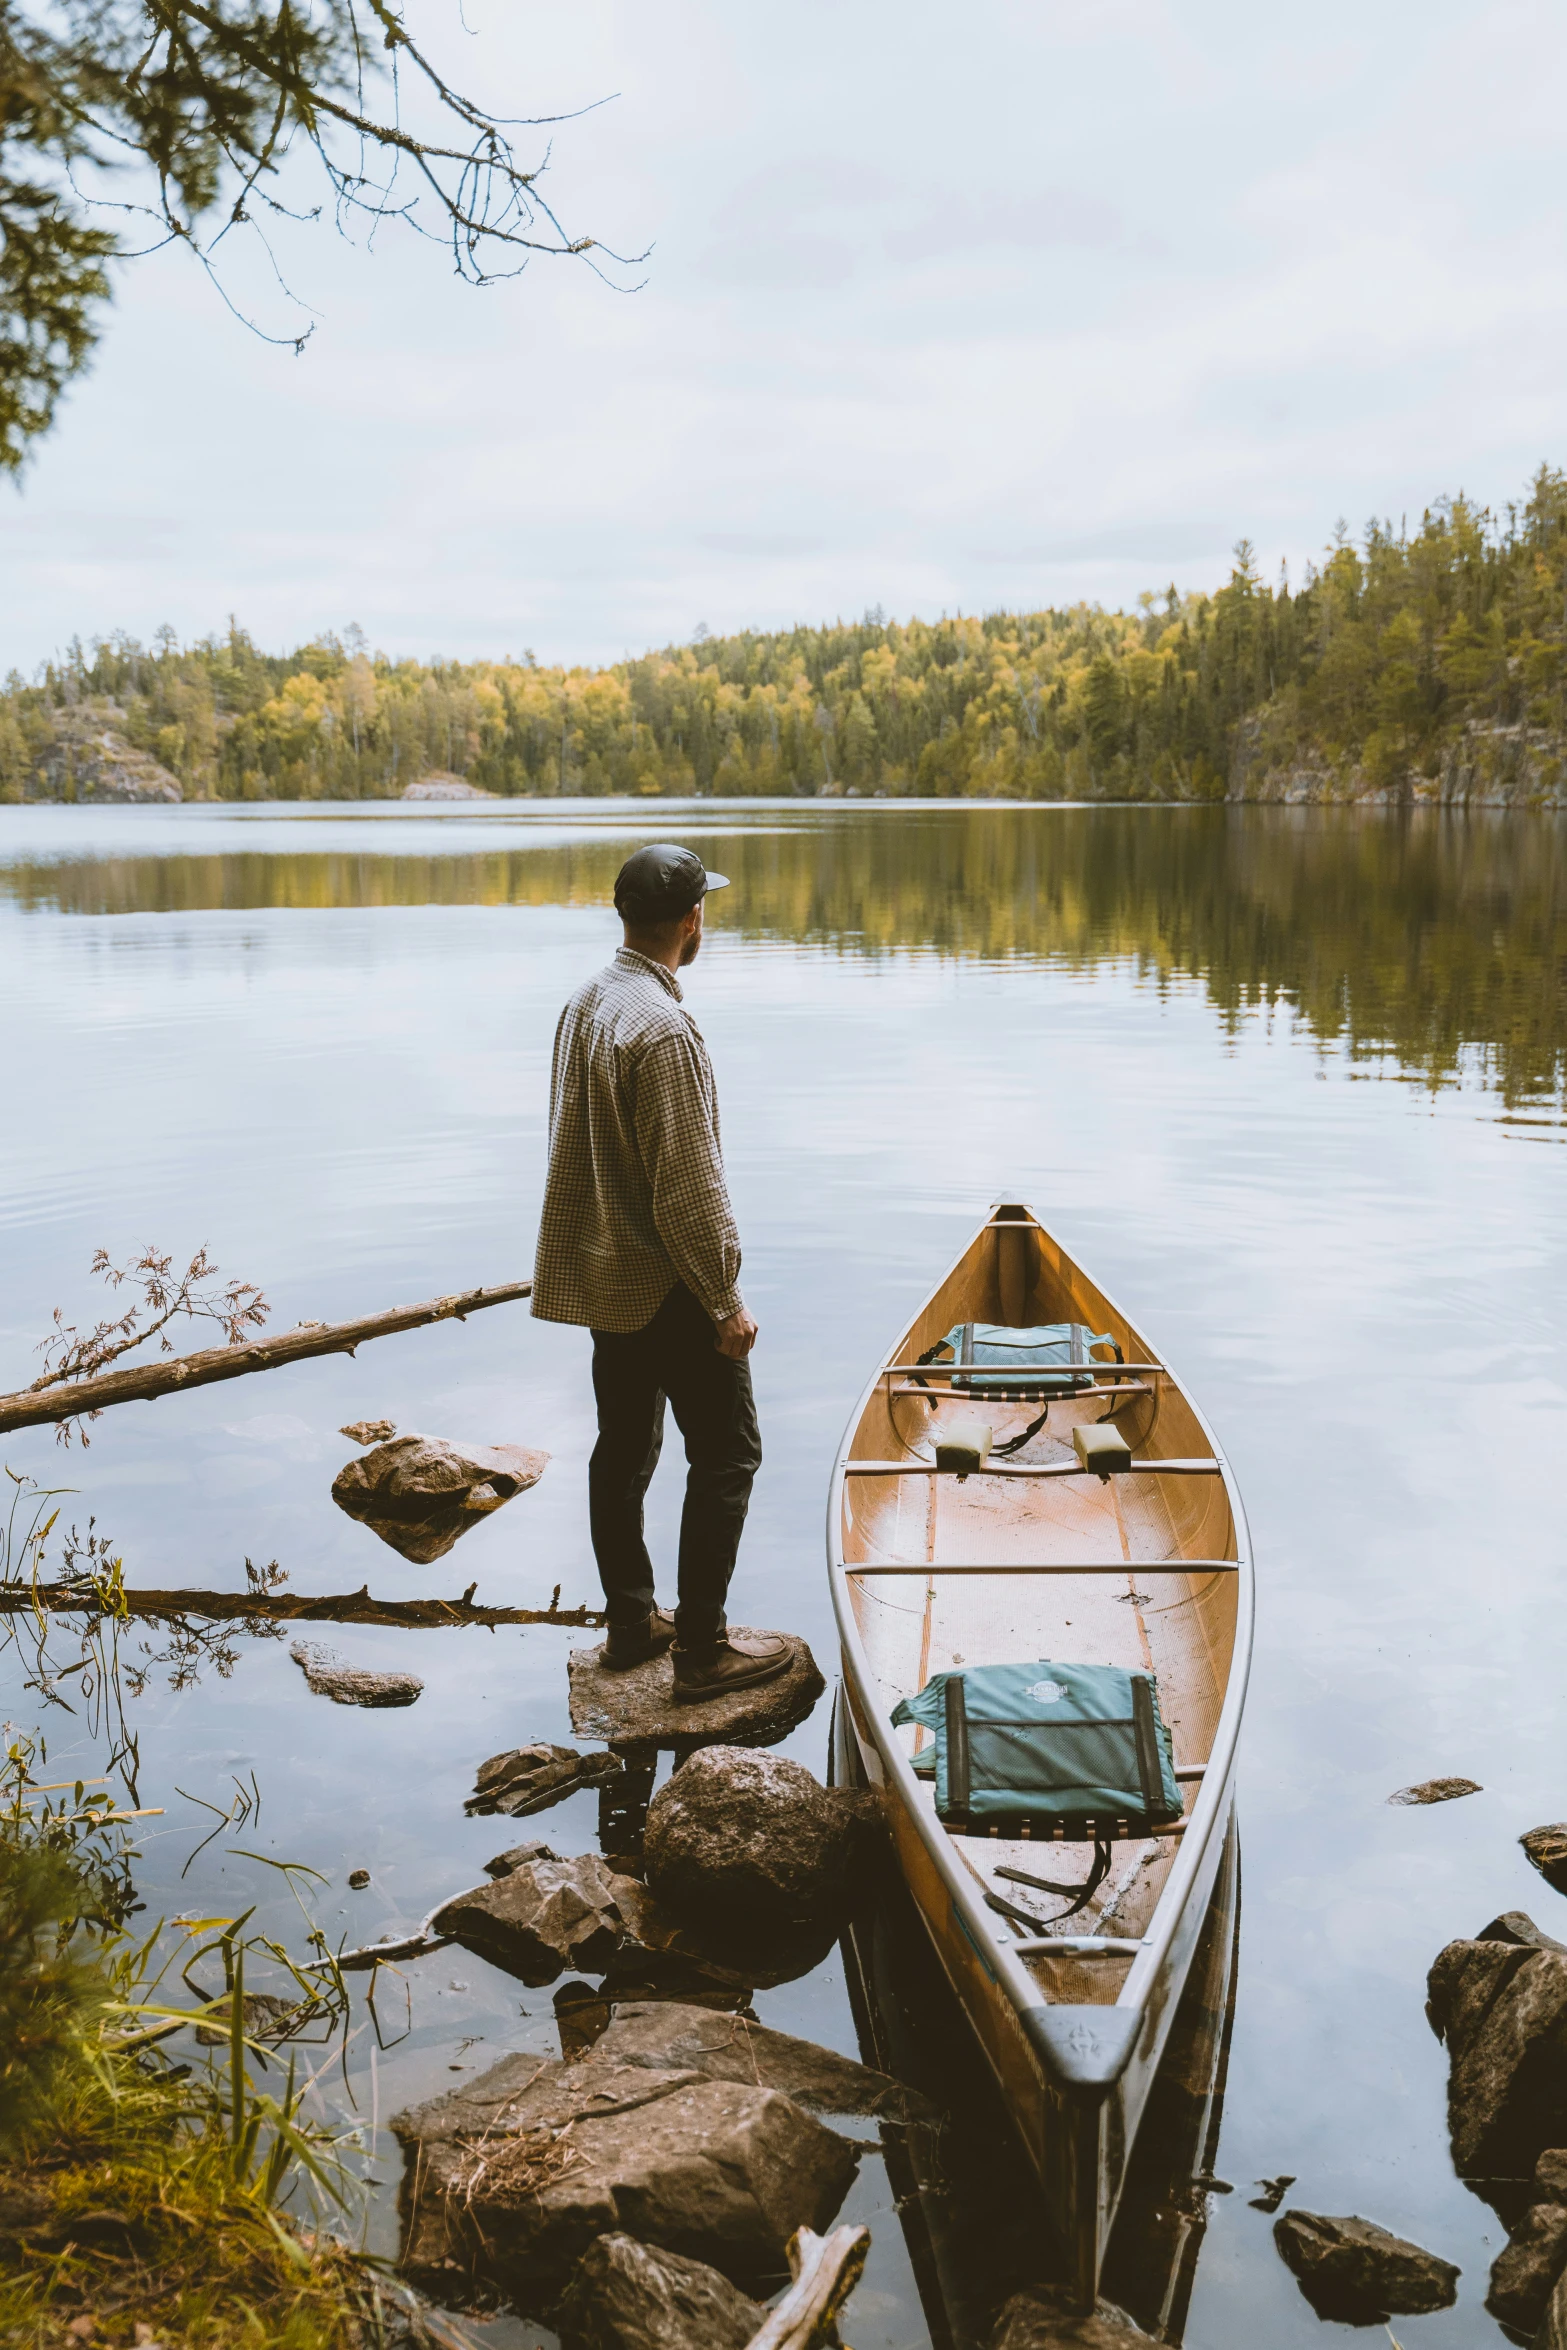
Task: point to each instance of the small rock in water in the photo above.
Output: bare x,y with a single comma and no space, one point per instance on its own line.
329,1675
637,1707
529,1778
740,1837
1041,2318
1349,2268
420,1493
265,2018
505,1863
540,1919
630,2296
1522,2275
359,1879
369,1431
1547,1849
1437,1791
1550,2176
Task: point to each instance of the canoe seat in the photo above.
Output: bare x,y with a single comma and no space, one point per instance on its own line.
1101,1448
963,1445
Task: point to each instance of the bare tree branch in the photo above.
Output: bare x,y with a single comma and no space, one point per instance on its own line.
34,1407
211,97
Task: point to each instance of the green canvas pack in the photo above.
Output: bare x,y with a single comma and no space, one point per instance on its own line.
1077,1751
1021,1366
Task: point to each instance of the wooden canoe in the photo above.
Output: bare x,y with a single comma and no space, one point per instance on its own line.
1036,1558
965,2196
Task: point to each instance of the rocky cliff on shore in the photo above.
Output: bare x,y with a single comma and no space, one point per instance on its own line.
1484,766
85,756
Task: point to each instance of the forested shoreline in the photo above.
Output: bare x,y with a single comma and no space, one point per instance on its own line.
1416,664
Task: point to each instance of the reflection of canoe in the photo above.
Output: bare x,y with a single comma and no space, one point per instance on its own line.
1040,1559
966,2197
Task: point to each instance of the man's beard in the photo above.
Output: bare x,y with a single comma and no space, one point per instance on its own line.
691,949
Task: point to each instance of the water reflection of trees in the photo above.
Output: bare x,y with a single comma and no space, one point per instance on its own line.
1433,937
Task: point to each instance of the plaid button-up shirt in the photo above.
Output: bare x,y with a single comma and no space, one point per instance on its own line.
635,1198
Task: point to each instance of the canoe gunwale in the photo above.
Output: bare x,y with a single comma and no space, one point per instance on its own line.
1208,1818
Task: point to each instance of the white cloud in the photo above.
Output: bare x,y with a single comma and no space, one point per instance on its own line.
1057,301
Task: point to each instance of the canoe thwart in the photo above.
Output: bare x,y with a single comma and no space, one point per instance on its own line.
1043,1567
1078,1468
1075,1946
924,1371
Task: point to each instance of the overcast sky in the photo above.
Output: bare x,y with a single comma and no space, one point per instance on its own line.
1000,306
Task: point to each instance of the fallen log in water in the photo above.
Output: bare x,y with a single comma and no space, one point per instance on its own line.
36,1407
283,1607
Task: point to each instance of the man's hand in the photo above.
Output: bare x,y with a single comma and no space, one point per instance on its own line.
736,1337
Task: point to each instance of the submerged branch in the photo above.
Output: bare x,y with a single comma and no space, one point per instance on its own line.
279,1607
147,1383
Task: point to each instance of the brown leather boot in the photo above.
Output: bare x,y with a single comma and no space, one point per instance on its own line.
740,1661
626,1645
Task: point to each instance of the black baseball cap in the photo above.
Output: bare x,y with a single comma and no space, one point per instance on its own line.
662,882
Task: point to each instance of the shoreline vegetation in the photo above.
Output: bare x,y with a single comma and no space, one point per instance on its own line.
151,2191
1417,666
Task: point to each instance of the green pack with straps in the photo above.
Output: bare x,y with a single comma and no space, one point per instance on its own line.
1075,1751
1021,1366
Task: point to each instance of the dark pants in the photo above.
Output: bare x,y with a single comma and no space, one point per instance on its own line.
673,1357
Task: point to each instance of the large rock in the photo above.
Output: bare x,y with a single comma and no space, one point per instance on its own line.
1522,2275
541,1918
1553,2333
739,1837
1351,2269
664,2036
1516,1925
515,2174
747,1953
420,1493
1465,1982
330,1675
583,2013
1506,2028
637,1707
529,1778
1041,2319
627,2296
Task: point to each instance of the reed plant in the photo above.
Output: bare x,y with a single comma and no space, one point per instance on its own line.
160,2180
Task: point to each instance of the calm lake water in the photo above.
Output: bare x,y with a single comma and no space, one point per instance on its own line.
1288,1082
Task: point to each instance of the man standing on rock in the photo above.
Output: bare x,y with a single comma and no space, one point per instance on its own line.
638,1240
